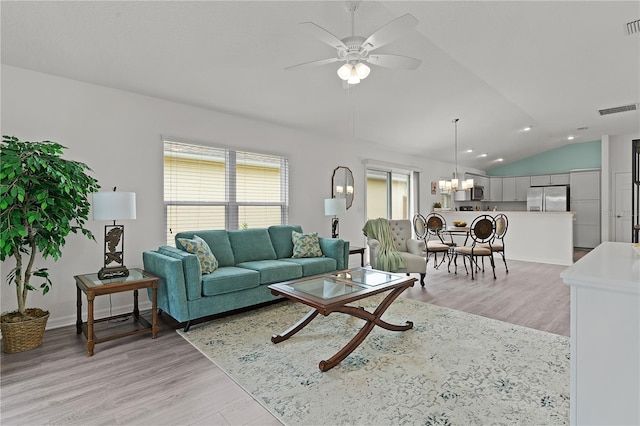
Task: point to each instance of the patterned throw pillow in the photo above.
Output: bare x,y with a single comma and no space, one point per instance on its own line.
199,247
305,245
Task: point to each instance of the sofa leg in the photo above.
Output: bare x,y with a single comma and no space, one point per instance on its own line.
187,326
422,279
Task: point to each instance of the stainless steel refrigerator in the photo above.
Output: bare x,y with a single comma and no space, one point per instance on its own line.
548,199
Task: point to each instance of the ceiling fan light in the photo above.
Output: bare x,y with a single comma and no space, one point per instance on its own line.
363,70
353,77
345,71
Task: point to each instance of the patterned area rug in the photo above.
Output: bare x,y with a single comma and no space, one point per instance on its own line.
452,368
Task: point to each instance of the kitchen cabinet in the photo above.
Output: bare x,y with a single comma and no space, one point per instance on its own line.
585,202
523,183
540,180
555,179
495,189
515,188
586,226
585,185
559,179
508,189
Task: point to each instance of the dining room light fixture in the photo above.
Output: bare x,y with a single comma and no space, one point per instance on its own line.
455,184
352,73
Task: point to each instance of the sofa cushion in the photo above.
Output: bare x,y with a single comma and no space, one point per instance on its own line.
229,279
218,242
314,265
274,271
199,247
281,239
306,245
251,244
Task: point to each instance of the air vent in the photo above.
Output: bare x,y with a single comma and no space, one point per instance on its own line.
633,27
615,110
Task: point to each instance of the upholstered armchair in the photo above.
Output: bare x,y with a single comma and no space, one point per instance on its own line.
412,250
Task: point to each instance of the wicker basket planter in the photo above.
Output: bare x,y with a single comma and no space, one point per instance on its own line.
24,335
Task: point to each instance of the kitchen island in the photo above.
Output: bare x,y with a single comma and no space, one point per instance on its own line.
605,336
543,237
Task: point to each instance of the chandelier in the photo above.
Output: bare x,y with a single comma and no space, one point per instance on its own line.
455,184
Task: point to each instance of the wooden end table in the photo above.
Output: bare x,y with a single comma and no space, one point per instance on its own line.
357,250
91,286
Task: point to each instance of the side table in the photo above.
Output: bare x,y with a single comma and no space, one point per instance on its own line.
91,286
356,250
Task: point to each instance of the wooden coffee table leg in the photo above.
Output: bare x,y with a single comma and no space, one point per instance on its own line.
372,319
277,338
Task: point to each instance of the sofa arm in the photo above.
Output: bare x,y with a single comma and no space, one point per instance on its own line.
172,290
416,246
374,248
337,249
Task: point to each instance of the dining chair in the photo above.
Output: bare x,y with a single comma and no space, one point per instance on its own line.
434,226
481,231
497,244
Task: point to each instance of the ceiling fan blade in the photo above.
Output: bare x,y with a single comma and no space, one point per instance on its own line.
314,63
394,61
323,35
390,32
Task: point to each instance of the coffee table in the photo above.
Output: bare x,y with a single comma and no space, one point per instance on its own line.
333,292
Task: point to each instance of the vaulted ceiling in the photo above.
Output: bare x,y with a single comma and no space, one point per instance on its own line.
497,66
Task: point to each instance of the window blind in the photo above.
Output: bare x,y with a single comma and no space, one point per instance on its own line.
216,188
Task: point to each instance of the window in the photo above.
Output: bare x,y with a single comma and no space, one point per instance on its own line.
216,188
390,192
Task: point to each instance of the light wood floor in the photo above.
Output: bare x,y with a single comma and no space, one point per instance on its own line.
138,380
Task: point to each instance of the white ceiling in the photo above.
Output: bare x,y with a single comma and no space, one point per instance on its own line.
497,66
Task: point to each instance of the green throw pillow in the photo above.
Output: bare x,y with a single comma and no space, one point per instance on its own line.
199,247
305,245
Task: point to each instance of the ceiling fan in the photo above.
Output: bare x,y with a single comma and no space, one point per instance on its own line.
355,51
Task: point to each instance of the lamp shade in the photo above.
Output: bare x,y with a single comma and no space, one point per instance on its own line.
114,205
335,206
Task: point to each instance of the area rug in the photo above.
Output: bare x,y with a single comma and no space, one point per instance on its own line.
452,368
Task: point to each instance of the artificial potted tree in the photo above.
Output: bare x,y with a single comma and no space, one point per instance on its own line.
43,198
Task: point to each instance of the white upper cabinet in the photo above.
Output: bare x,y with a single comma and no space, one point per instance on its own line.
508,189
556,179
585,185
495,189
559,179
523,183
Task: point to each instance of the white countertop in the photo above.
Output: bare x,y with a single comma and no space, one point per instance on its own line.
610,266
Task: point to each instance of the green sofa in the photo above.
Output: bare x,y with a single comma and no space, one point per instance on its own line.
249,260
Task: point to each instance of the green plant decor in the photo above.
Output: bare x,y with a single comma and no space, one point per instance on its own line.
437,205
43,198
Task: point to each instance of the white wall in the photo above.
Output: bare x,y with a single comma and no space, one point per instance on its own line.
118,134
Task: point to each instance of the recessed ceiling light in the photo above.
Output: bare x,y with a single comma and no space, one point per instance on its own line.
526,129
483,155
499,159
571,137
469,151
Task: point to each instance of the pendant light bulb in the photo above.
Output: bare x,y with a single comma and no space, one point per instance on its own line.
363,70
345,71
353,77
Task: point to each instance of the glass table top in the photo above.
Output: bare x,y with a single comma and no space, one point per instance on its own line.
344,283
134,275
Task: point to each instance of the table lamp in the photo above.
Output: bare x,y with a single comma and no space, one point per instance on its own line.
334,207
114,206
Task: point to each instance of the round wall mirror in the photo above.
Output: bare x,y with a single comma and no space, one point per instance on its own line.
342,184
